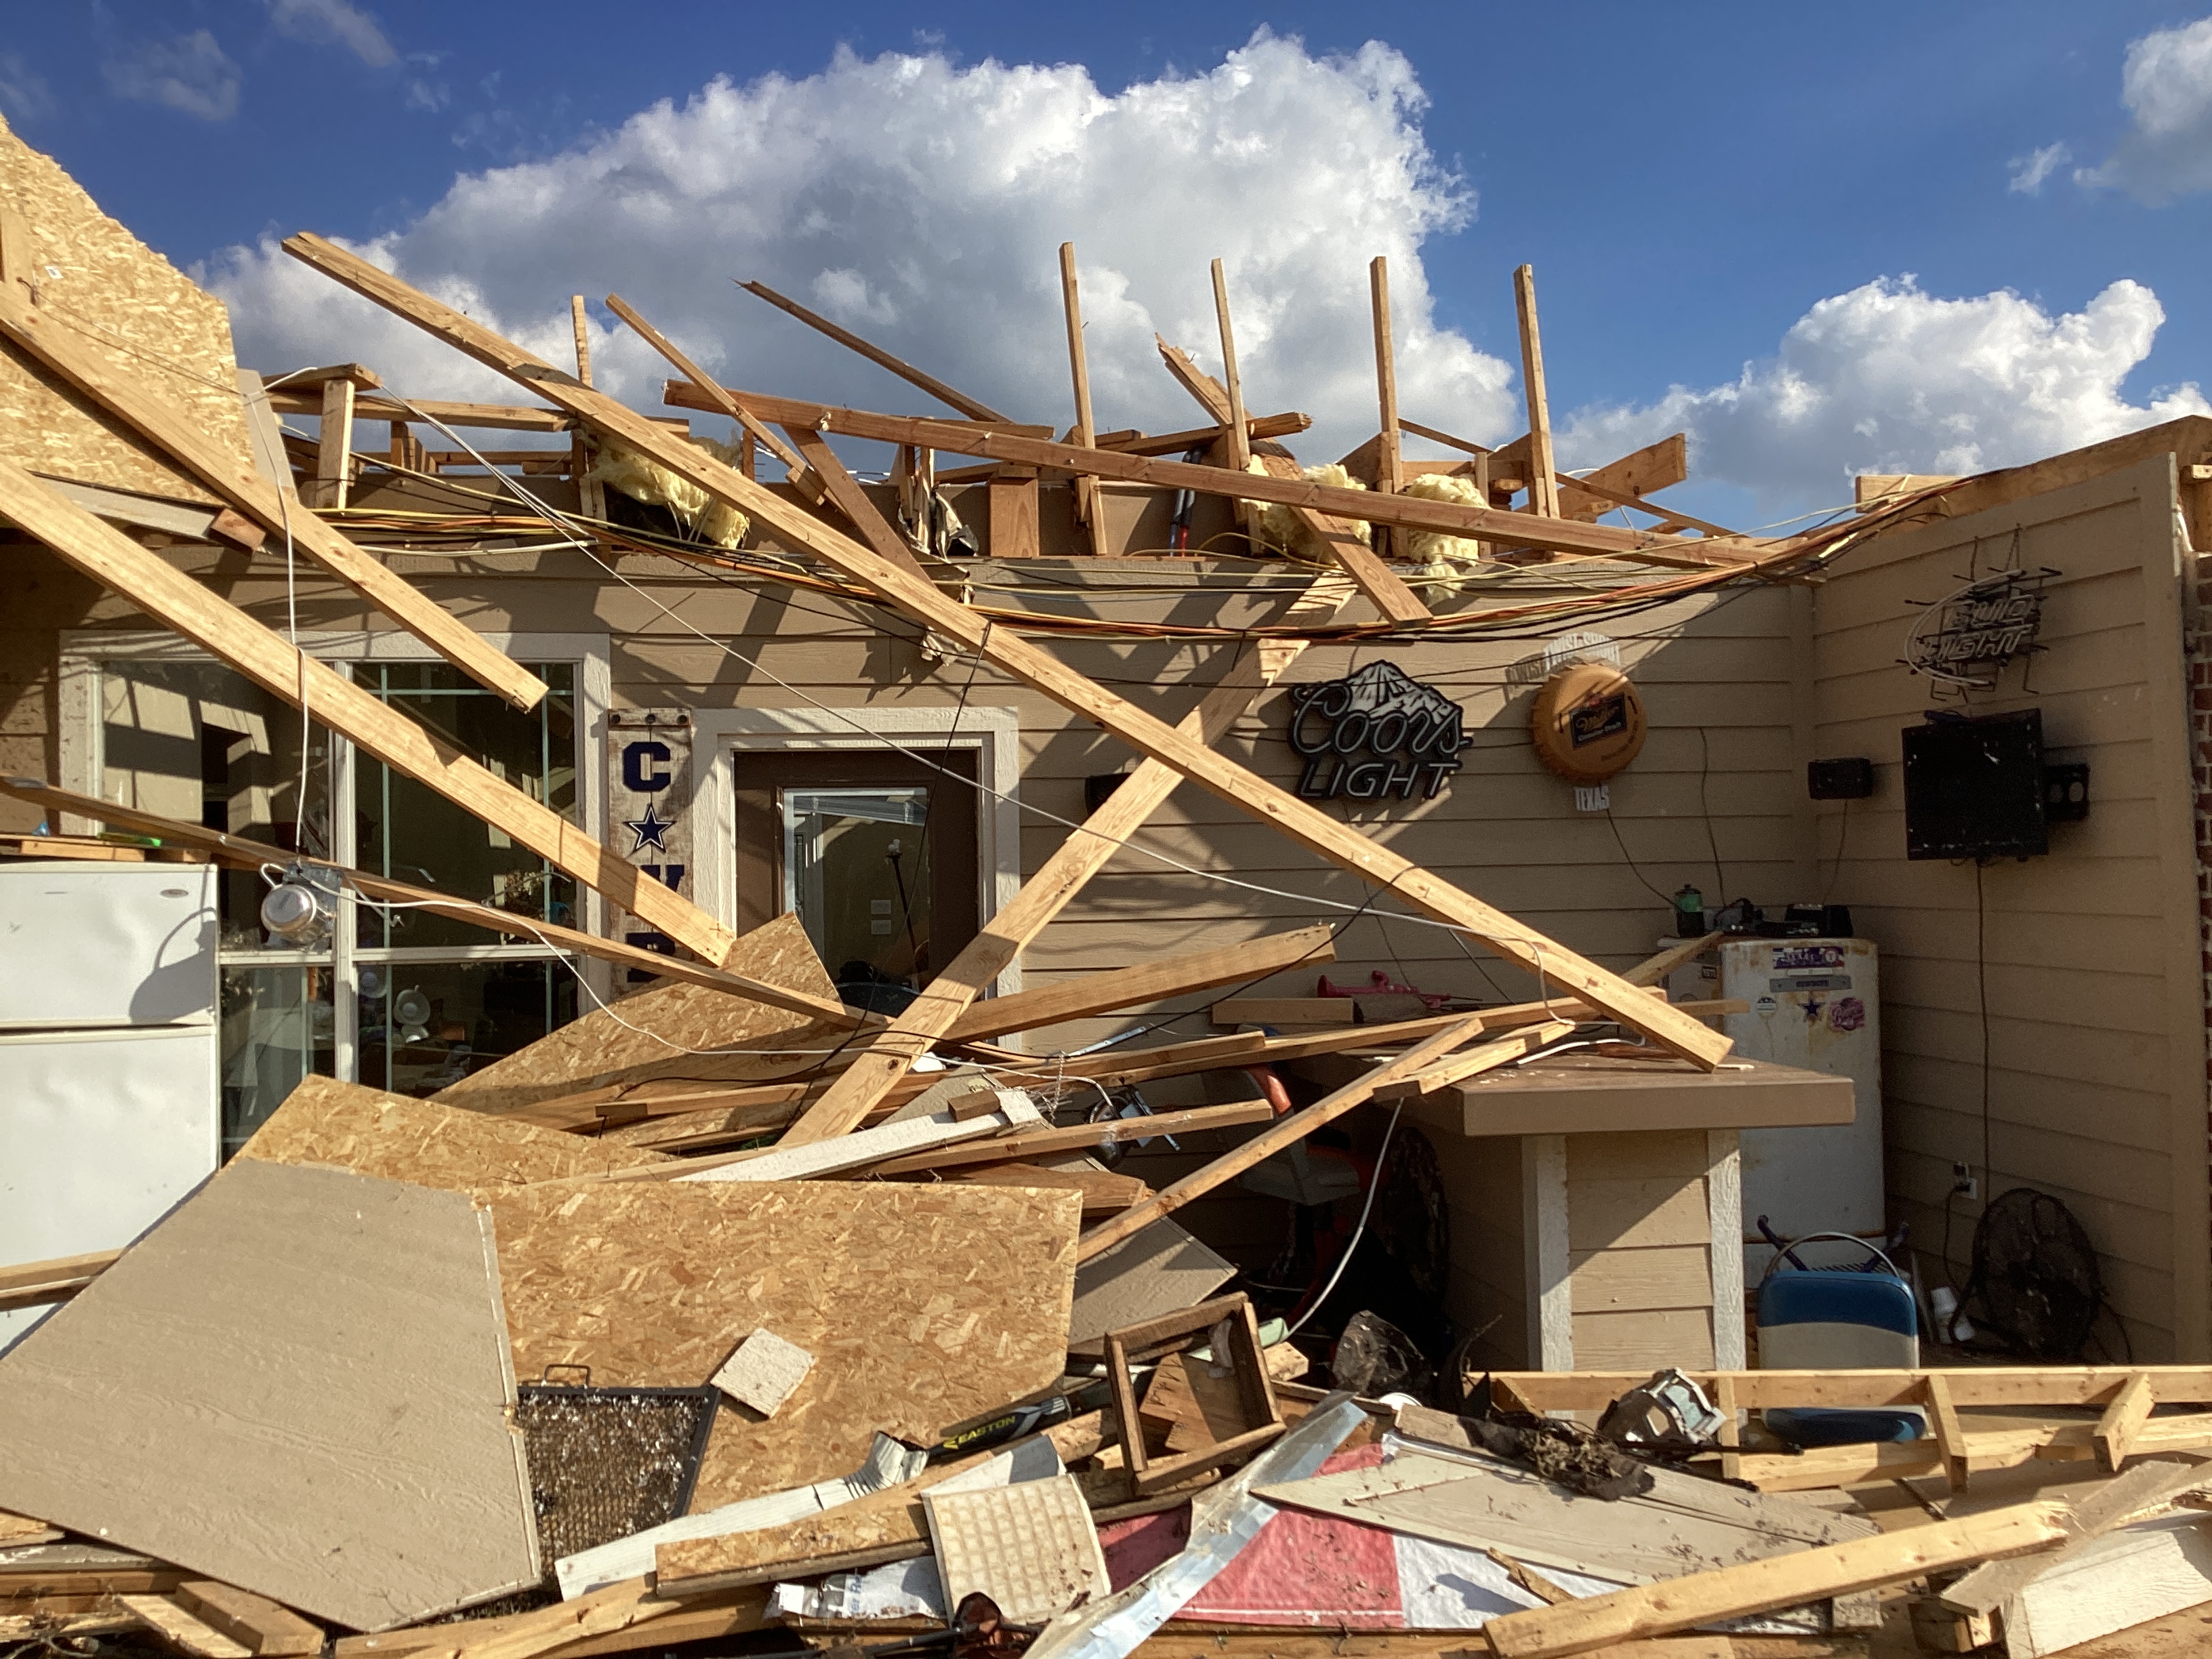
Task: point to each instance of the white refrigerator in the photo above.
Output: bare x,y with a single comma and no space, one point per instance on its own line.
110,1096
1815,1004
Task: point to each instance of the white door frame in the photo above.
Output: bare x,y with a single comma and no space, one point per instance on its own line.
995,735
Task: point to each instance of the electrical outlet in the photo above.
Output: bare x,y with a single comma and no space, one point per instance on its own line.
1963,1183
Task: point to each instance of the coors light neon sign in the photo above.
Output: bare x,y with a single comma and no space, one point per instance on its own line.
1374,734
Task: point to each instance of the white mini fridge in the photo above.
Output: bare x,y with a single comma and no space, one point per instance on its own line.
110,1096
1815,1004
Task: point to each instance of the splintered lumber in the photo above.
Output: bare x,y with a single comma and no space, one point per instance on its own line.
925,1304
397,1138
184,1629
2115,1431
257,1624
1787,1581
846,495
811,1160
116,562
1024,1144
1232,391
1087,510
1103,1192
942,1003
562,1628
256,1349
690,1619
973,409
33,1283
1653,970
1385,589
1970,1387
250,854
1148,981
762,434
1411,512
1289,1131
1543,486
1387,455
1308,825
232,477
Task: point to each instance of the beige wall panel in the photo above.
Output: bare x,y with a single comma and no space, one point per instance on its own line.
1637,1281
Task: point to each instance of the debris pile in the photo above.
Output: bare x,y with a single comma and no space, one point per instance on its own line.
736,1312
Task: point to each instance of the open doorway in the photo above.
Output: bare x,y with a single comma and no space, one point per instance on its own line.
877,854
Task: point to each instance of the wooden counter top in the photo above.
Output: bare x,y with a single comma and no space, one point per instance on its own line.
1581,1093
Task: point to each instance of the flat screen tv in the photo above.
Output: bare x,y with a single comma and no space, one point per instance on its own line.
1974,788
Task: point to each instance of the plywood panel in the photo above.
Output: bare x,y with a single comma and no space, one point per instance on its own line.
671,1030
132,307
398,1139
296,1384
921,1305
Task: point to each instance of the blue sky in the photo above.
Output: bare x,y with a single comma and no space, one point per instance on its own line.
1692,183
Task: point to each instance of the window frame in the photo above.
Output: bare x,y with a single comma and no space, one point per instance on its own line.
85,654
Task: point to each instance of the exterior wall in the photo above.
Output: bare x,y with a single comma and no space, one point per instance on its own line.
2090,958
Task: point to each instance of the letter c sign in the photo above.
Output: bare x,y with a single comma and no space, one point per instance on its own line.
636,757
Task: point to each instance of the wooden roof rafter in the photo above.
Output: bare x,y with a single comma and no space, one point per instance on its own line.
1341,844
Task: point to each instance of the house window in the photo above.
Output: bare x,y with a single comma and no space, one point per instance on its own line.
399,998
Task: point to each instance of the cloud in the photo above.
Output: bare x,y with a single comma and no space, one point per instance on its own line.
922,204
2029,170
325,22
1887,379
2167,86
187,72
24,94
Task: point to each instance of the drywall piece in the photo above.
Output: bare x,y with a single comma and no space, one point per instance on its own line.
1484,1504
2148,1489
396,1138
659,1033
297,1383
1158,1271
132,308
1032,1548
2115,1583
765,1371
922,1305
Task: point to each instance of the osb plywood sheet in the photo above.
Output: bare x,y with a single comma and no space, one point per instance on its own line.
921,1305
133,307
297,1383
656,1033
399,1139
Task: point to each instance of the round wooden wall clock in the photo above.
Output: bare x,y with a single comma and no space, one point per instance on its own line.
1588,723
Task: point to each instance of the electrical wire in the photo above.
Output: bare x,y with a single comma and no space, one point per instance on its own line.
1374,1185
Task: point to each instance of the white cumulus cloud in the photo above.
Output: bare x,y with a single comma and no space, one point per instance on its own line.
187,72
321,23
922,202
2167,86
2029,170
1889,379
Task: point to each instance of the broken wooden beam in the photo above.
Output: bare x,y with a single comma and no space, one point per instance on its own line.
1341,843
171,597
235,479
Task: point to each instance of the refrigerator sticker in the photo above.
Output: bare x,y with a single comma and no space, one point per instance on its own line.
1848,1015
1811,982
1764,1005
1809,955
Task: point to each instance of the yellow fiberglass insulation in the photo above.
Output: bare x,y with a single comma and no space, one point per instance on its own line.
1276,525
714,522
1440,554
